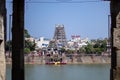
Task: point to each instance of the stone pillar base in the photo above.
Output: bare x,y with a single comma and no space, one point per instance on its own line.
116,74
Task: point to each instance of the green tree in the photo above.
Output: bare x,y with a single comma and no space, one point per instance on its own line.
82,49
104,45
26,34
89,48
98,50
68,51
26,50
62,50
95,46
30,45
100,45
8,45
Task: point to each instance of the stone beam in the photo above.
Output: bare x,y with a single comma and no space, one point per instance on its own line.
18,40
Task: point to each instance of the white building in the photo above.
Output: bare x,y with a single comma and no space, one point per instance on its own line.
77,42
42,43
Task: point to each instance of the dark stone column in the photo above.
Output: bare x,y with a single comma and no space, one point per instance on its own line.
115,9
18,40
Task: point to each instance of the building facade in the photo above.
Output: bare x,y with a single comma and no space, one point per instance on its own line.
42,43
76,42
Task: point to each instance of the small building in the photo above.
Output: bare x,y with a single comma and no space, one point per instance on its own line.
76,42
42,43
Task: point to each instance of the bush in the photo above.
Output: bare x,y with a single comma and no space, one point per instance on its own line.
26,50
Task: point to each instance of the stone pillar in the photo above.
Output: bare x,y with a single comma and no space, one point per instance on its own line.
18,40
2,41
115,42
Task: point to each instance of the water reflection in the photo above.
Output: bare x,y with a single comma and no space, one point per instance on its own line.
64,72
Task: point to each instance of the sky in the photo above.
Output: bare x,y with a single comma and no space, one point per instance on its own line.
87,19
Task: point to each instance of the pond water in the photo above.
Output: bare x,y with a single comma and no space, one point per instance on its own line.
64,72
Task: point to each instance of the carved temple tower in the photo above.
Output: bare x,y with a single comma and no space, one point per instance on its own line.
59,34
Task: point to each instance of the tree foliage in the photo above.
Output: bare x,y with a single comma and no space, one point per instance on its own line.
28,45
8,45
26,50
82,49
89,48
26,34
63,50
95,46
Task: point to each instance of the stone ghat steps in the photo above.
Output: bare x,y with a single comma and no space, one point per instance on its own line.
95,59
98,59
107,59
86,59
80,59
